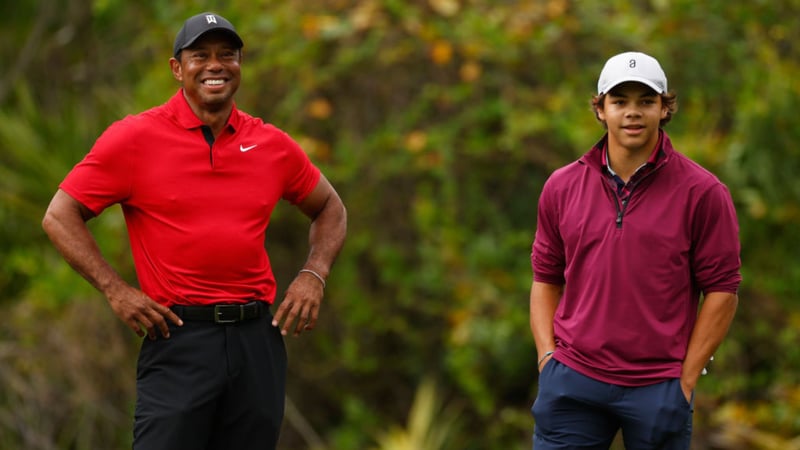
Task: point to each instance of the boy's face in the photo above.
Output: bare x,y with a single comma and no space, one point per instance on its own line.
632,112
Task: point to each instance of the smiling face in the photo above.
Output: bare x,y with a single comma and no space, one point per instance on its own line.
209,71
632,112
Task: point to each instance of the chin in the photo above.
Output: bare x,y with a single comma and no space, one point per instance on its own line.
217,98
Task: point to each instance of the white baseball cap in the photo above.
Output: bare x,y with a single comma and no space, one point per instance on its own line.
632,66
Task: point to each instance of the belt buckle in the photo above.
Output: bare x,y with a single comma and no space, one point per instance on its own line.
218,312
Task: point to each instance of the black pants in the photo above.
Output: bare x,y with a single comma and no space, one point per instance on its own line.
211,387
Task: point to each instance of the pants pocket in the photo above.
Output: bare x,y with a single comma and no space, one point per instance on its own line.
677,414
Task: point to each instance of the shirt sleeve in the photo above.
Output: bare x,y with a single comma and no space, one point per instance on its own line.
547,252
304,174
102,178
716,259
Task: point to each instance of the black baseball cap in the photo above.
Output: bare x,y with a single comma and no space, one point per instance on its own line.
198,25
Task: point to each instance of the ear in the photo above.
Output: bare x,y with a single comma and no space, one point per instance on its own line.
600,112
664,111
177,71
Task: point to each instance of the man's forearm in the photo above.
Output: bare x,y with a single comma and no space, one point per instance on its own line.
68,232
543,302
713,322
326,236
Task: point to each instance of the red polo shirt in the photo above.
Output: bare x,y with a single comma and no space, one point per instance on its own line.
196,213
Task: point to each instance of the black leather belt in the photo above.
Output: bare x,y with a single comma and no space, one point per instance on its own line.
222,313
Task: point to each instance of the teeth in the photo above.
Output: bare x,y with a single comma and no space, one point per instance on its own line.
214,82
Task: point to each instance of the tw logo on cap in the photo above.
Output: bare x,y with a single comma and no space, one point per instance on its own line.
210,18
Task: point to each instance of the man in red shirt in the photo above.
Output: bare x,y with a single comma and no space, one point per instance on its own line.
197,180
628,239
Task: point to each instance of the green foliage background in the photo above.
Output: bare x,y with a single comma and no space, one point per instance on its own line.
438,122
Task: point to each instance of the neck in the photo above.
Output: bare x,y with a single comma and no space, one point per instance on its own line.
625,162
215,116
215,121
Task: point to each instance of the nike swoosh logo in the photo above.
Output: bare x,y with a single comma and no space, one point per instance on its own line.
246,149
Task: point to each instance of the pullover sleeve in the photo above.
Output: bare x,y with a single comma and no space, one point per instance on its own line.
715,244
547,252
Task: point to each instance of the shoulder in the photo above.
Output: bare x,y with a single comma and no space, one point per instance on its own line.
252,125
566,176
700,189
687,171
571,169
144,120
126,135
692,173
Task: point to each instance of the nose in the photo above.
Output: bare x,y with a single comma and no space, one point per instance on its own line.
214,63
633,111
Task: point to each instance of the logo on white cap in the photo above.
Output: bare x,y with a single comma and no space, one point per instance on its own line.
210,18
632,66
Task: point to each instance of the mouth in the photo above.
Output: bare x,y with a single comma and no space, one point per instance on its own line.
633,129
214,82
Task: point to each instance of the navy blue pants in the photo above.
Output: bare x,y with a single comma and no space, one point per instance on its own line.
573,411
211,387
